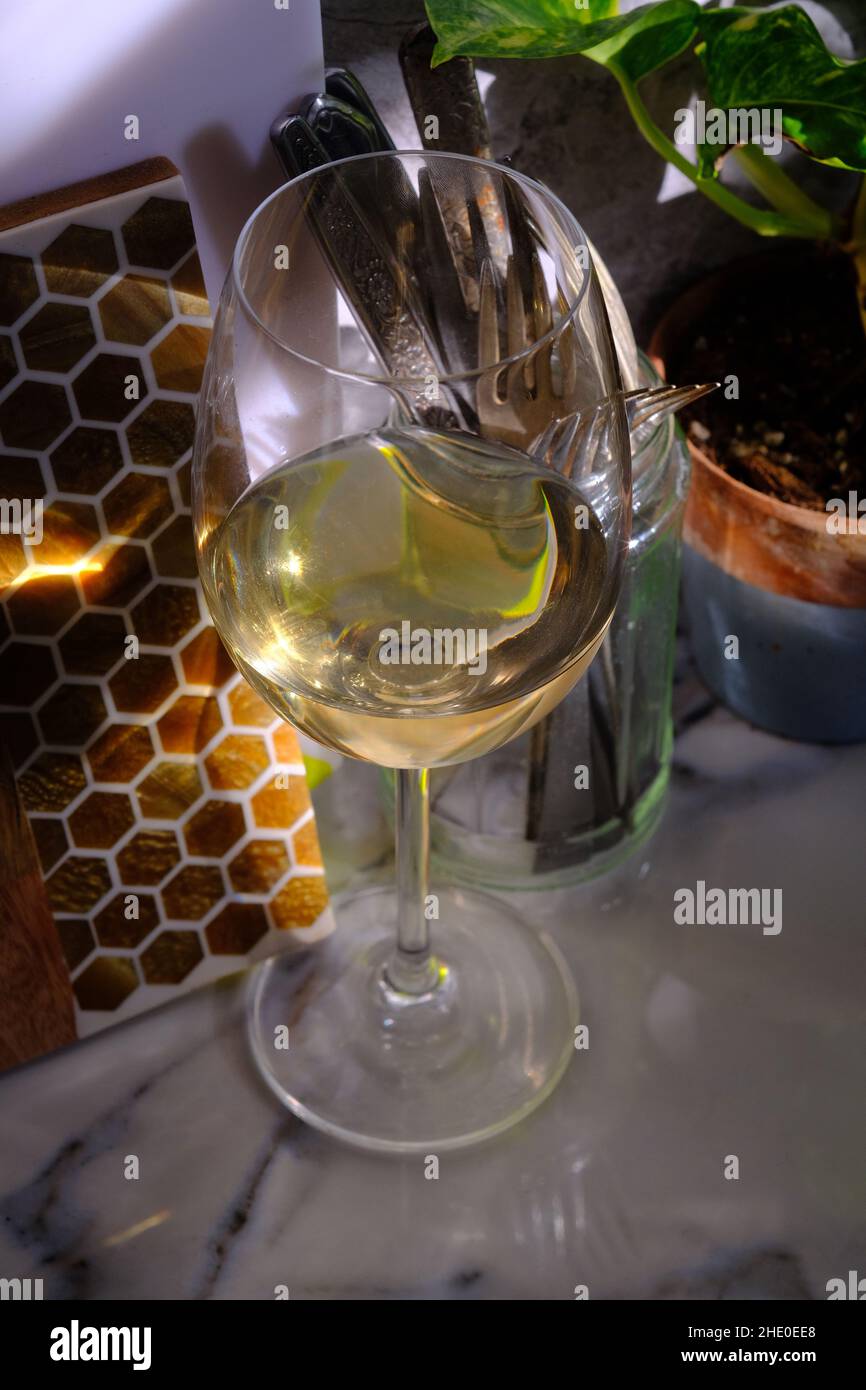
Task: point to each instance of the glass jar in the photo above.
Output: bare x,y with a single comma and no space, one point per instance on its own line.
575,795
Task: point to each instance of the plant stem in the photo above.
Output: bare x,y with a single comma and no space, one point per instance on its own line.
412,970
766,174
758,220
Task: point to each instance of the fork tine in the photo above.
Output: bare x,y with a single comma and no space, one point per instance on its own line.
515,311
478,232
542,319
650,404
488,319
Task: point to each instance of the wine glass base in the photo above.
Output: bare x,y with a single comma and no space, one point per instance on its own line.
465,1062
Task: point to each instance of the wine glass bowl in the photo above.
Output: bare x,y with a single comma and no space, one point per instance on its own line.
400,574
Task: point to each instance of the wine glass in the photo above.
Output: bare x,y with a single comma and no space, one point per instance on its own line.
408,557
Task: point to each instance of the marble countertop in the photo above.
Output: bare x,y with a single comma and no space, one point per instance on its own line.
705,1042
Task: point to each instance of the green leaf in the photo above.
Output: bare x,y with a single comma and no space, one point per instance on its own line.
647,38
511,28
777,59
317,770
635,43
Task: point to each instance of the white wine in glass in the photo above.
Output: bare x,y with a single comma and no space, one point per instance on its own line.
411,597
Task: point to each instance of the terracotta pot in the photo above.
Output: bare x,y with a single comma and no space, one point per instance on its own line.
772,575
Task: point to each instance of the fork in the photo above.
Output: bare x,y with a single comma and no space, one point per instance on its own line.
516,405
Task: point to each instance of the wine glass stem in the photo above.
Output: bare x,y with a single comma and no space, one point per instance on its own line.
412,969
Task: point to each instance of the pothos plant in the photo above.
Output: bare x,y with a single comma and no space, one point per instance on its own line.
751,58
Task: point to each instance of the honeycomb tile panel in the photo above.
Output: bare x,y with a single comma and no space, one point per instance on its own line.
102,388
137,506
106,983
190,724
135,310
93,644
18,735
130,759
27,670
205,660
236,929
248,708
19,287
192,892
165,615
300,903
148,857
170,958
174,552
101,819
189,291
79,261
33,415
69,531
57,336
115,575
169,791
44,605
52,781
161,434
280,804
237,761
120,753
178,360
159,233
78,884
76,939
8,364
72,715
125,921
141,686
305,843
86,460
214,828
52,842
260,865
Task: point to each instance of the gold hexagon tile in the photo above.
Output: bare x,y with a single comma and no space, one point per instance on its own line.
281,803
259,866
300,903
79,260
169,791
33,415
101,819
135,309
19,287
190,724
127,920
236,929
120,753
237,761
137,505
192,892
214,828
105,983
27,671
170,958
148,857
161,433
143,685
